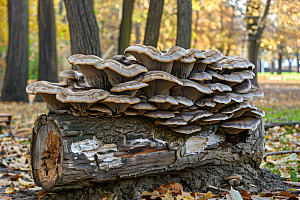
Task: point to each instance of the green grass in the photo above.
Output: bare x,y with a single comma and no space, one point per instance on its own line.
293,76
275,114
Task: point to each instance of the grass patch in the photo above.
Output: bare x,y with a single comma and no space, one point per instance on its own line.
287,76
281,114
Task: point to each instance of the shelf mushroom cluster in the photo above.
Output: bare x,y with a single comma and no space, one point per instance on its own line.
179,88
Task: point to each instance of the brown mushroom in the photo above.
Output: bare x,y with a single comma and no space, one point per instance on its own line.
190,90
128,88
200,76
48,92
193,115
75,78
215,118
183,67
159,114
100,109
235,126
233,179
124,59
154,59
119,103
173,121
242,87
159,82
187,129
182,102
163,102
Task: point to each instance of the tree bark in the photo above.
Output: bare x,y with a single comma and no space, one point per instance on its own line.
125,26
84,29
153,22
129,147
15,82
272,67
47,43
137,32
298,64
255,27
279,63
184,23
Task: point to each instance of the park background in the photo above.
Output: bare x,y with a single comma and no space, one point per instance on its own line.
226,25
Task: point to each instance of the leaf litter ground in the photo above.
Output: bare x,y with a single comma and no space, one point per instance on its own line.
283,106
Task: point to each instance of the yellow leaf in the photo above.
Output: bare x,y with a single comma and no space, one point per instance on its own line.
9,190
208,195
26,183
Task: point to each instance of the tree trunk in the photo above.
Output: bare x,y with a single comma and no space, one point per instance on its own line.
47,44
125,27
184,23
137,32
130,147
298,64
279,63
84,29
290,65
272,67
252,56
153,22
15,82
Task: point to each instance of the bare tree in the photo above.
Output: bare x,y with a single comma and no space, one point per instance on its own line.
47,43
153,22
125,27
17,56
184,23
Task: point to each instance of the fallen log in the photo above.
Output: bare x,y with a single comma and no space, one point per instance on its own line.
74,152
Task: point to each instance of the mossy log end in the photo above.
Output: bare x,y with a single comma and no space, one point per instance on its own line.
74,152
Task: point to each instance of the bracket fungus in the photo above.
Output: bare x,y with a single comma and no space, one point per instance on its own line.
154,59
182,89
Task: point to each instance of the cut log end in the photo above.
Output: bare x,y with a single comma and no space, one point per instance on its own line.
48,167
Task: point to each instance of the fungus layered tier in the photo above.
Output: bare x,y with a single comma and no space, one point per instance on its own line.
178,88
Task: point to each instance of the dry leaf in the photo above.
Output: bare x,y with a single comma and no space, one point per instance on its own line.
175,188
26,183
5,198
286,194
208,195
9,190
42,194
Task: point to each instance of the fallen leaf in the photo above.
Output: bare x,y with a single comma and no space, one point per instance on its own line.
26,183
286,194
42,194
245,194
9,190
175,188
5,198
208,195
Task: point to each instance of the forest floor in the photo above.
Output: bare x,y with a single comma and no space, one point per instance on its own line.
281,103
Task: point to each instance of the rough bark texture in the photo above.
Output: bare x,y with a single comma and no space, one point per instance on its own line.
153,22
184,23
255,27
129,147
168,157
16,75
47,43
84,29
125,27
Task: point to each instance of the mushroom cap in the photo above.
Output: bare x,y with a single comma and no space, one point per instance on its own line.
233,62
124,59
215,66
226,98
71,74
100,108
144,106
159,114
192,115
215,117
163,102
171,54
205,102
220,87
129,85
130,111
44,87
234,126
183,100
236,77
161,75
242,87
200,76
237,106
173,121
233,176
80,96
178,90
187,129
254,92
195,53
211,55
121,99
